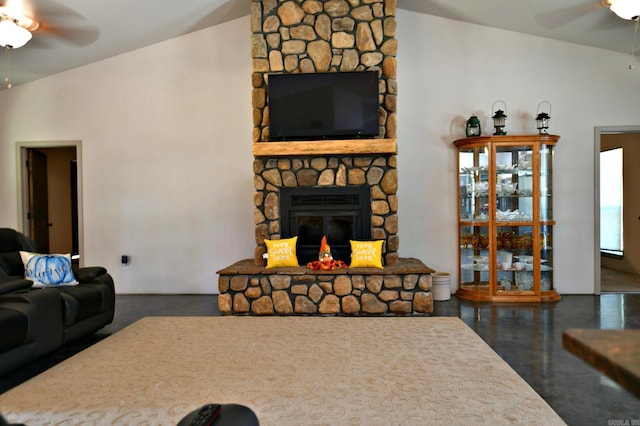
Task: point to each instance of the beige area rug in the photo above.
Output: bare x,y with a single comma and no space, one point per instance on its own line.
289,370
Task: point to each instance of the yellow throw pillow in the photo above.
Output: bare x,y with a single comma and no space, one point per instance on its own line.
366,254
281,253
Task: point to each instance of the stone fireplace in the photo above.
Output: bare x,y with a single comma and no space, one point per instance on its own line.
304,36
331,173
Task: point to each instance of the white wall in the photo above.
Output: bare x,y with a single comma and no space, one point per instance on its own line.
166,154
449,70
166,144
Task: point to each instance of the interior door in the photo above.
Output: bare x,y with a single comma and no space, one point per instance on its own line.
38,214
73,181
620,274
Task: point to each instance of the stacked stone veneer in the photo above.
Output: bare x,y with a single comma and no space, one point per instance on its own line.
379,173
253,290
304,36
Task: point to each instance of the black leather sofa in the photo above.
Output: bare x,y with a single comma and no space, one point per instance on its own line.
36,321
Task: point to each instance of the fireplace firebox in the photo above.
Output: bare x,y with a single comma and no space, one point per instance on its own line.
340,213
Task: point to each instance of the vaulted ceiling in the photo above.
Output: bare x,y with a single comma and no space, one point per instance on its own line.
73,33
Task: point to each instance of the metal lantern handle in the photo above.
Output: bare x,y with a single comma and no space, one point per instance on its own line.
493,109
544,102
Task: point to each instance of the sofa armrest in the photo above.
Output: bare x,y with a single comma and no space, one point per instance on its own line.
88,274
14,285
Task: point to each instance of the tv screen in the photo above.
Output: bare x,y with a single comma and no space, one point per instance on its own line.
332,105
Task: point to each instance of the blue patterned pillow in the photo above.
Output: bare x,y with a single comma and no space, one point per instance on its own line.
48,270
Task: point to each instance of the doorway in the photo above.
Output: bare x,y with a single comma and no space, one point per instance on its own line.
50,181
618,270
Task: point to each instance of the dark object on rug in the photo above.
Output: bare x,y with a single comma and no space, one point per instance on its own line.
37,321
3,422
227,415
32,369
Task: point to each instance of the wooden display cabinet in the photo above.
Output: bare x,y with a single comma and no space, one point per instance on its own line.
505,191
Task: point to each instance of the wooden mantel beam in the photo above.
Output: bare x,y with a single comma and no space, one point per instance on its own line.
325,147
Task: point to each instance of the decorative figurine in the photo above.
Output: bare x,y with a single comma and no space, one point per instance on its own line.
325,256
325,260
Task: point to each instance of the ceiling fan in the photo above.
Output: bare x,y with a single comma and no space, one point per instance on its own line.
623,12
630,10
47,21
626,9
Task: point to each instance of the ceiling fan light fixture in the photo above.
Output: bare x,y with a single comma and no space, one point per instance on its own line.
15,28
626,9
12,35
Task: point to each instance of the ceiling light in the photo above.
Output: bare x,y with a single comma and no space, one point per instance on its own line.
626,9
15,29
12,35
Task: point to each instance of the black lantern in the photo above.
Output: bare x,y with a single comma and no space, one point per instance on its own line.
499,119
542,120
542,123
473,127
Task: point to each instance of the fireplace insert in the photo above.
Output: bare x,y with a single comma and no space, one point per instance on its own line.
340,213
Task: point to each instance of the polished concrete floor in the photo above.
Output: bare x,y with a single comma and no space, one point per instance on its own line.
527,336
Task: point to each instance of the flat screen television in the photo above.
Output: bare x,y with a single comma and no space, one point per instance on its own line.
334,105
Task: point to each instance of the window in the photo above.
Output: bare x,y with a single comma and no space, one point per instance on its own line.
611,202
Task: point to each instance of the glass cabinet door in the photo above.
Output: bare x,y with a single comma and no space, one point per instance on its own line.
515,259
473,165
514,219
514,184
546,182
546,218
474,184
474,258
546,258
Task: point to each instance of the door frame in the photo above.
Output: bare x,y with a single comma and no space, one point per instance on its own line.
599,131
22,180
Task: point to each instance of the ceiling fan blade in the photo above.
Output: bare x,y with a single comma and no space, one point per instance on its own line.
47,37
230,10
431,7
565,15
59,25
610,21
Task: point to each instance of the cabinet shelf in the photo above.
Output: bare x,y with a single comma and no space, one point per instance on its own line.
483,195
515,171
506,218
485,267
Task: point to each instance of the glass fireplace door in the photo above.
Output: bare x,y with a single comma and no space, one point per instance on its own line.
338,227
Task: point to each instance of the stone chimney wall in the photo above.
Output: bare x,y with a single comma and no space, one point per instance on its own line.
304,36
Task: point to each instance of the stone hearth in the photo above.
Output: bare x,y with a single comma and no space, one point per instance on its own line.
247,289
